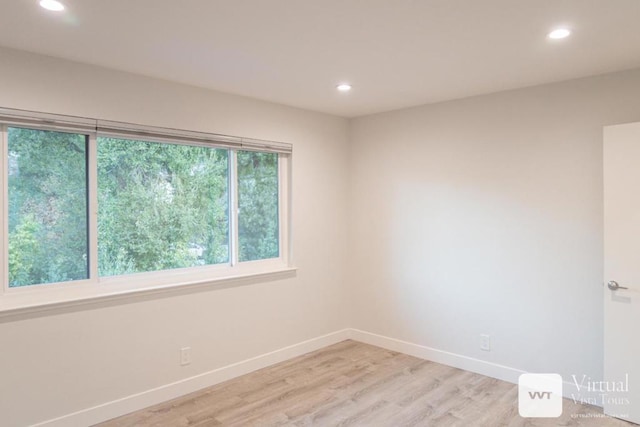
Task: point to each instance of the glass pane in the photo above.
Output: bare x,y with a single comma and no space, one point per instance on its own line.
258,205
47,207
160,206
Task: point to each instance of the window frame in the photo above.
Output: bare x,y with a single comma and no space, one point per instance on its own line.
60,294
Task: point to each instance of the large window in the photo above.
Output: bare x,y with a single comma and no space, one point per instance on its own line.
94,206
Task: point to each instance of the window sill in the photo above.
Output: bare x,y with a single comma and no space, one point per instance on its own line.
53,301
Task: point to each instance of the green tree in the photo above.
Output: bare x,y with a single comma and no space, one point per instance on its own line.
47,207
258,205
161,206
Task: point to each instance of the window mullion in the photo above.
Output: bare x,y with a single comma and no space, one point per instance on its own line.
233,207
92,208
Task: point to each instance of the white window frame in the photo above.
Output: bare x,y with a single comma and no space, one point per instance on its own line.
39,297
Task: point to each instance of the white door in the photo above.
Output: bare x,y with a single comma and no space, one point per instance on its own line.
621,388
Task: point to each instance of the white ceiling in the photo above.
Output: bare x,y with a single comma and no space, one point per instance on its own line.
396,53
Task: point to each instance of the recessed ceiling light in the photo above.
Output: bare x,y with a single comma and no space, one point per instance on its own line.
53,5
344,87
559,33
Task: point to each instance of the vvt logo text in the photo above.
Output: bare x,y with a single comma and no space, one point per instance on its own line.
540,395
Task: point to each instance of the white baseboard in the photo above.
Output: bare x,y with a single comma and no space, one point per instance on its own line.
166,392
489,369
478,366
161,394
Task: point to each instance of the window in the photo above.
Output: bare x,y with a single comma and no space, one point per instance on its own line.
161,206
257,205
105,206
47,178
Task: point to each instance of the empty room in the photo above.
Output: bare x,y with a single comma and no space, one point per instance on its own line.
371,213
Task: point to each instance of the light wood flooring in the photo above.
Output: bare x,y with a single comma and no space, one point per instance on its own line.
355,384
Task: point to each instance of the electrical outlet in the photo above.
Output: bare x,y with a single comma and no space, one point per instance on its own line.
485,342
185,356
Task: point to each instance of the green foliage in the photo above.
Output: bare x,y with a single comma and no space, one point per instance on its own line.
47,207
161,206
258,205
24,251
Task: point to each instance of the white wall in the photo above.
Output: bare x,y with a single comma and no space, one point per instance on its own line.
54,365
484,216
